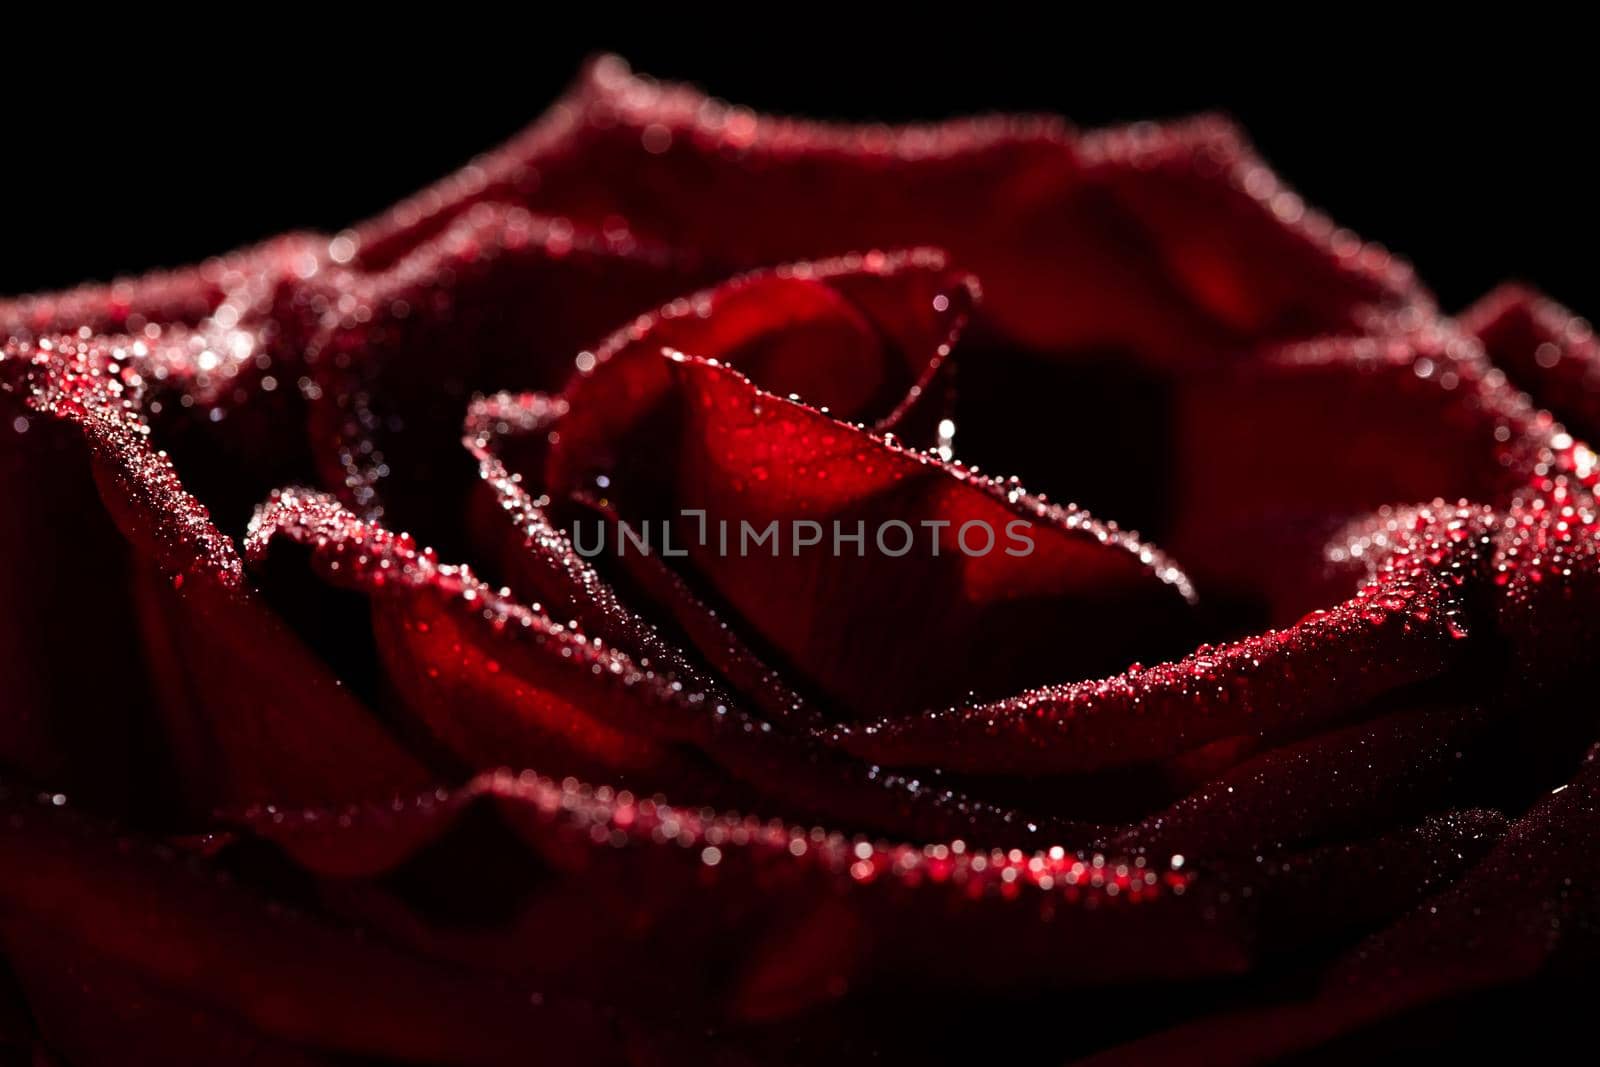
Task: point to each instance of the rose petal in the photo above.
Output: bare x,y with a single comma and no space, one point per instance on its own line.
1321,896
1510,931
511,297
1511,921
75,728
1544,349
1514,915
1377,877
443,636
1167,253
17,1036
1408,623
497,682
1343,782
862,336
248,712
743,456
1274,456
178,298
1245,472
1547,572
168,940
1034,208
540,562
702,872
722,895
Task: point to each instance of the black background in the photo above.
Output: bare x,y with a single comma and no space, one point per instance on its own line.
1473,165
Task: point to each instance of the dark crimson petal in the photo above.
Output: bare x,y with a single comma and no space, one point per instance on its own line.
990,622
1408,623
1514,918
1538,561
499,683
184,297
75,728
84,382
135,1020
18,1040
1513,930
1367,883
1547,572
861,337
1175,241
712,637
1162,267
1277,453
1544,349
792,773
541,563
1338,783
1321,896
115,939
493,680
721,902
510,297
1520,912
249,713
206,349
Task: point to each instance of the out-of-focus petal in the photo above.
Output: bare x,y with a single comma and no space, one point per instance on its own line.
188,966
1174,240
640,889
1544,349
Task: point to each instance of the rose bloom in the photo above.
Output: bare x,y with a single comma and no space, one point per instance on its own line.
322,744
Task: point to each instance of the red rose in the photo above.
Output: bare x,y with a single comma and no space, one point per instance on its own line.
284,784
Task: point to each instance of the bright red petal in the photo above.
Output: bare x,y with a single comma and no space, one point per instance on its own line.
862,337
986,620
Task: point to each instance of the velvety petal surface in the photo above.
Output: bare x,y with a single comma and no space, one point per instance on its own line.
750,461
